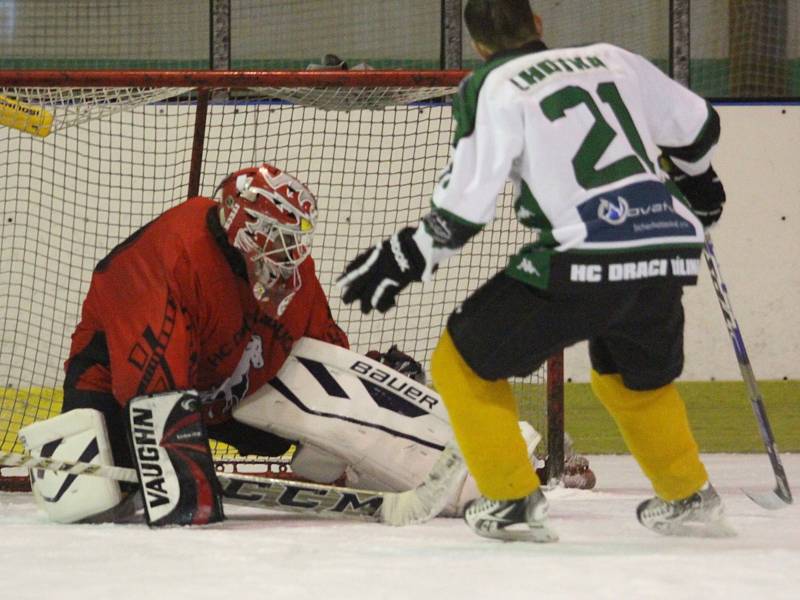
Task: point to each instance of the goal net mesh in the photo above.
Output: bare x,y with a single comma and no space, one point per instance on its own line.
117,158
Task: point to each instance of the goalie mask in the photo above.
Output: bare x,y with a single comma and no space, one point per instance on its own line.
269,217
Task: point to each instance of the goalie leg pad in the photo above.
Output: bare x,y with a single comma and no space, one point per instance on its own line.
314,464
387,428
173,460
76,435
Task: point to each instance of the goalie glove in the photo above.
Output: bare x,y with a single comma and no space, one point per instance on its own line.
400,362
376,276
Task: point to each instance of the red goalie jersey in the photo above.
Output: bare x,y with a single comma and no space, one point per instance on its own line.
174,307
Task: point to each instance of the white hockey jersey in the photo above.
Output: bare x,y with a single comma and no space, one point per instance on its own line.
579,132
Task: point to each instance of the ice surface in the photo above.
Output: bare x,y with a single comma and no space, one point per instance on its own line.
603,552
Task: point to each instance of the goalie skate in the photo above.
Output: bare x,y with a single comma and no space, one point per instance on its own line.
699,515
522,520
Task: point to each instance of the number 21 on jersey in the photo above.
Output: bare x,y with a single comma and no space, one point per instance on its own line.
600,135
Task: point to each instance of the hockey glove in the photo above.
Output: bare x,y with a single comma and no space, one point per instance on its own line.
400,362
376,276
704,193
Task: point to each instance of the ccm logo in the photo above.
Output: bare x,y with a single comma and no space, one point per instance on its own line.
398,385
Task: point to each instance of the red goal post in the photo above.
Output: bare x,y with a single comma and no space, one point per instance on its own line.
90,156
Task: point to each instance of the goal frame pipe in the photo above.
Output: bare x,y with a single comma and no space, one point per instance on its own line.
554,464
198,143
231,79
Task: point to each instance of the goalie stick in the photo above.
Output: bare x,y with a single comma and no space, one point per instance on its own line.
394,508
781,496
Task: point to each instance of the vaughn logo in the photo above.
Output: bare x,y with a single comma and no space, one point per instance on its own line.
147,455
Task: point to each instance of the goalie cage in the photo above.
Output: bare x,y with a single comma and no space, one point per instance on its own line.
89,157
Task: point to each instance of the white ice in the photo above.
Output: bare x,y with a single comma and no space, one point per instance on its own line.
603,552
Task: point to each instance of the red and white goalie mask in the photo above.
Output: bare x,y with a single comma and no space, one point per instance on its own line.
269,217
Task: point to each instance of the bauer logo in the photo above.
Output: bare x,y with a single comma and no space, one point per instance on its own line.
395,383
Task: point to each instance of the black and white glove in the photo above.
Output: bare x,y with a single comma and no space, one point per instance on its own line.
376,276
400,362
704,193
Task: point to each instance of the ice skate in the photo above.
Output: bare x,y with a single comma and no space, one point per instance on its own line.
524,519
699,515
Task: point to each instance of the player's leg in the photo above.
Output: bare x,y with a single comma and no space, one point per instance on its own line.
484,418
634,364
504,329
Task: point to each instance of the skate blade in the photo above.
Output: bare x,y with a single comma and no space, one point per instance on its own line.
537,535
713,529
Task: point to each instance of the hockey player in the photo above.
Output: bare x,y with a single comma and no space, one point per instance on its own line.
184,318
579,131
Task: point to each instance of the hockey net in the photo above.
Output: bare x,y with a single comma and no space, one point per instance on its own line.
89,157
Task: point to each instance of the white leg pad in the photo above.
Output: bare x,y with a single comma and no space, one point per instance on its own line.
387,428
348,409
315,464
77,435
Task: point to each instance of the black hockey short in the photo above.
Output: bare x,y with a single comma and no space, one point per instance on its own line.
508,329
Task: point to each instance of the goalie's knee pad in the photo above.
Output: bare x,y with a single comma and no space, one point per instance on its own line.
77,435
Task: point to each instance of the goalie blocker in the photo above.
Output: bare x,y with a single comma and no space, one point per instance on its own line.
173,460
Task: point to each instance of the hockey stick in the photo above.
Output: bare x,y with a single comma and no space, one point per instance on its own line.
395,508
781,496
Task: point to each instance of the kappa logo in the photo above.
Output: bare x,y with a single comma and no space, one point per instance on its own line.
524,213
528,267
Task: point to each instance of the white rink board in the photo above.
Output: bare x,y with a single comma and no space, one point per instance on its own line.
604,554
